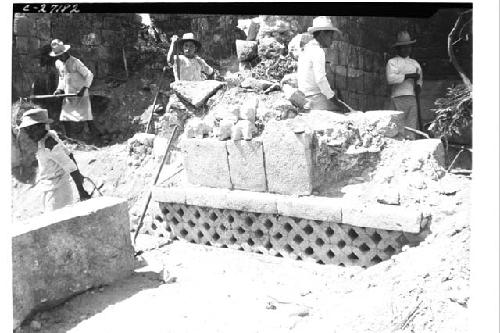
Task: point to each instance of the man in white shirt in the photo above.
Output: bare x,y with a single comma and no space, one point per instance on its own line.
311,71
55,162
404,75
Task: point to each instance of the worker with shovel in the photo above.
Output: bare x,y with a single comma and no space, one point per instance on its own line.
311,70
74,78
404,75
55,162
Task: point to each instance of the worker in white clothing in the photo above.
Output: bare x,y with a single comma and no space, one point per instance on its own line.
311,70
74,78
55,162
404,75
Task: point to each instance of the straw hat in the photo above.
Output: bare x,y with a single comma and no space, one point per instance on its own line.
322,23
35,116
404,39
58,48
190,37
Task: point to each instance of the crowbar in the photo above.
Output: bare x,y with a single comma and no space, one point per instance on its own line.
141,221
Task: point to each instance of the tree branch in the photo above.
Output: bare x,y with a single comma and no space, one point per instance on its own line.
451,53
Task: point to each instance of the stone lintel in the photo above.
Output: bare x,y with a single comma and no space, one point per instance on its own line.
337,210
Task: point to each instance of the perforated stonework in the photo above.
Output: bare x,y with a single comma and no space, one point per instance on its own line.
319,241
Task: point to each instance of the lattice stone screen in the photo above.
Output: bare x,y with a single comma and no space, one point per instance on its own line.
283,236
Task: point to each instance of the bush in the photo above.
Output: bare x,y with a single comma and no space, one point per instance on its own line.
453,112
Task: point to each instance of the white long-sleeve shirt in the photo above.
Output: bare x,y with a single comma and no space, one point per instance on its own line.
54,165
395,71
73,75
311,73
191,69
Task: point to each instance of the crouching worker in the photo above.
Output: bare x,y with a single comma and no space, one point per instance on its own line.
55,162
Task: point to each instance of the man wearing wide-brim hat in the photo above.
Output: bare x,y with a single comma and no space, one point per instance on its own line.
404,75
187,65
311,67
74,78
55,162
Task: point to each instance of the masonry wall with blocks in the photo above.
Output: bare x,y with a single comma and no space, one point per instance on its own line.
67,251
333,148
319,229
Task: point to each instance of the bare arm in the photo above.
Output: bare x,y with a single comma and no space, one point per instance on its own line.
170,53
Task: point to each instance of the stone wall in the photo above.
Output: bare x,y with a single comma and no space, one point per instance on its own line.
357,59
217,33
98,39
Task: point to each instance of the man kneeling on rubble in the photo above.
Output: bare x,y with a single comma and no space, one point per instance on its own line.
311,70
55,162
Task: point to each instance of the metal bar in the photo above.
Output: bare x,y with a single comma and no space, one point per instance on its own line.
51,96
141,221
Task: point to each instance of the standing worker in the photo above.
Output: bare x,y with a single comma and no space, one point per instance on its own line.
55,163
311,70
74,78
404,75
188,66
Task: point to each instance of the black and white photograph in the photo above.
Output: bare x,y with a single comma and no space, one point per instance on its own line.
246,167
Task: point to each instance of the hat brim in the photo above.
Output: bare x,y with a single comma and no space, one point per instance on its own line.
198,44
314,29
410,42
27,122
66,48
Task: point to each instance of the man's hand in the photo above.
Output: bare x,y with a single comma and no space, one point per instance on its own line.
174,38
81,92
414,76
59,92
83,195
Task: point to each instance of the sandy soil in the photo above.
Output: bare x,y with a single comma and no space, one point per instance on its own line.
423,289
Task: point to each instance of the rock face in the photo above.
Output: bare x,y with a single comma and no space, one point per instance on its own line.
67,251
196,93
346,146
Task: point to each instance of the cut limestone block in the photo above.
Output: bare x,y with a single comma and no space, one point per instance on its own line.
334,210
65,252
288,159
169,194
311,207
206,197
381,216
246,165
218,198
205,162
196,93
246,49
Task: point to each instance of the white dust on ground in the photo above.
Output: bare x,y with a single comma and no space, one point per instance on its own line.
423,289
